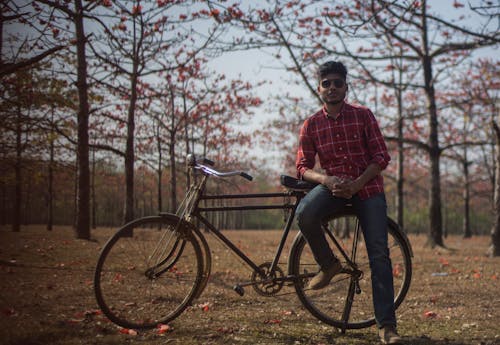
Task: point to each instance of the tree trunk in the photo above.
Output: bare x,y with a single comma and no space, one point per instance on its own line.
159,170
466,196
436,226
129,152
173,177
83,198
495,231
50,199
94,201
171,152
16,216
400,167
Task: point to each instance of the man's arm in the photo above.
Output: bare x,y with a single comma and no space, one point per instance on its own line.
348,188
329,181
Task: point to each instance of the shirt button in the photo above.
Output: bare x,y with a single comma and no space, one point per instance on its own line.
345,157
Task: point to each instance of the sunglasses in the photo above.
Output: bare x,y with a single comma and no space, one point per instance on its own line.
338,83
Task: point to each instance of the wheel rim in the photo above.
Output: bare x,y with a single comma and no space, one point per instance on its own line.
138,289
328,304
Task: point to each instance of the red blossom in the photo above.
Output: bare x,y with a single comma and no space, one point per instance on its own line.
136,10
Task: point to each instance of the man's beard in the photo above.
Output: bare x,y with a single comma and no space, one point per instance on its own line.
335,102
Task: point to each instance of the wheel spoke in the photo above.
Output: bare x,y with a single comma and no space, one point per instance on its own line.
149,278
339,303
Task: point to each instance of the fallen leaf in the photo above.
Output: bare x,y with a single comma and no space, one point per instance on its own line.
443,262
205,306
430,315
162,329
396,270
128,331
273,322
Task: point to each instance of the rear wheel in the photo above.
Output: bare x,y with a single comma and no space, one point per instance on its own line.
339,304
148,272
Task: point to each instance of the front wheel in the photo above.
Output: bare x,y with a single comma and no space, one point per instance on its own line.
148,272
339,304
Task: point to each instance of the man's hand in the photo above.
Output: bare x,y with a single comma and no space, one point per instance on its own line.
346,188
331,182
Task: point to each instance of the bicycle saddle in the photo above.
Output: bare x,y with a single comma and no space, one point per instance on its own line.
296,184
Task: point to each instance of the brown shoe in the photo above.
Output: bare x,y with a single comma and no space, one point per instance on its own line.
324,276
388,335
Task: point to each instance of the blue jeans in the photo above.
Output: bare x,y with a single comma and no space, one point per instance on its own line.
317,205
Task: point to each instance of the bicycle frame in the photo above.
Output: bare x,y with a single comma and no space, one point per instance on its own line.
196,211
198,214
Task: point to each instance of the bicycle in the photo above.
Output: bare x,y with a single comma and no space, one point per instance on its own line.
154,267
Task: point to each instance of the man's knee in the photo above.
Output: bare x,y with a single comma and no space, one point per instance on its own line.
305,217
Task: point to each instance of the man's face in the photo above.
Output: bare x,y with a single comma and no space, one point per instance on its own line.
332,88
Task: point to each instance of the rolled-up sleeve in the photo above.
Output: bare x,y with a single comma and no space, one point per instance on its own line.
306,152
377,148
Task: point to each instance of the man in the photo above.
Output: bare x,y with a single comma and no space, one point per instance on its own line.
352,153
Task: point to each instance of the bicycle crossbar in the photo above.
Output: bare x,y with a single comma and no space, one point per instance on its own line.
244,196
245,208
282,206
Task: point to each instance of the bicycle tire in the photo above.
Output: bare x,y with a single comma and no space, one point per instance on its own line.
206,255
148,272
324,304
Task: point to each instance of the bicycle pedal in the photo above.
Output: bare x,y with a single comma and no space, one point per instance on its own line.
239,290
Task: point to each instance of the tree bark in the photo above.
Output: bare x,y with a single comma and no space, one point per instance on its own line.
466,196
436,222
94,201
495,231
50,199
16,220
83,198
129,152
159,170
400,167
173,177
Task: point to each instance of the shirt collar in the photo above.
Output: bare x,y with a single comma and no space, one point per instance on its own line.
333,116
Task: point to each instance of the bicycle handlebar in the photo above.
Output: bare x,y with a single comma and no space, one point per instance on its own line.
191,161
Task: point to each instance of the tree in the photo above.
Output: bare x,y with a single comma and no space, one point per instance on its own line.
495,231
26,105
19,12
140,43
309,31
75,15
195,111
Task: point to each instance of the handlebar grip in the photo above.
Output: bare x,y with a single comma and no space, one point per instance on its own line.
245,175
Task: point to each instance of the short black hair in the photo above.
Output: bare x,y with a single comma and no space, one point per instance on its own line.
332,67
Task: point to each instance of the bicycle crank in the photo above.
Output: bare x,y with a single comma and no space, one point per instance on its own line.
264,282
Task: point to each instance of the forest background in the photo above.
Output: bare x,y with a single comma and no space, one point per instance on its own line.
101,101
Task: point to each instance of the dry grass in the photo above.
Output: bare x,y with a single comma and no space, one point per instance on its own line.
47,297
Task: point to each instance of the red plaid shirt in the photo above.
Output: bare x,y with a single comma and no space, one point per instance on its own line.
345,145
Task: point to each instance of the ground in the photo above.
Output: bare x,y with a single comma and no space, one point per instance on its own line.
47,297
